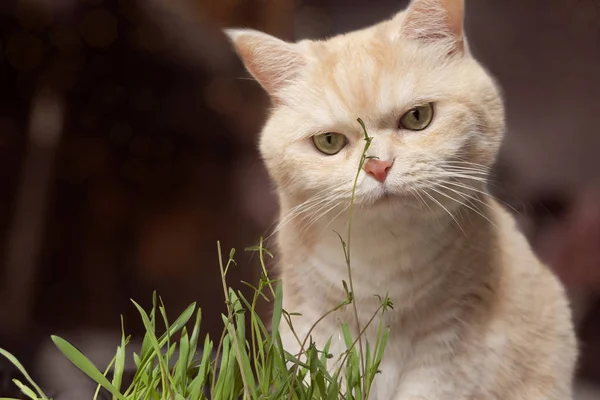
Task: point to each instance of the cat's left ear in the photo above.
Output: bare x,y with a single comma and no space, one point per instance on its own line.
272,62
436,21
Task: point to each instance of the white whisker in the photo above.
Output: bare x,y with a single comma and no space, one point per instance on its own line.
472,208
318,215
463,176
483,192
336,217
315,202
446,210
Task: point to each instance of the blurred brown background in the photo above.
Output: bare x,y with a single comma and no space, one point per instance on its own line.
128,148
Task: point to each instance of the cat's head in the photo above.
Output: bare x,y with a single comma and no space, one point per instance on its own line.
433,113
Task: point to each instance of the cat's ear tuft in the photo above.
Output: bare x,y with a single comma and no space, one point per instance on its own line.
271,61
436,21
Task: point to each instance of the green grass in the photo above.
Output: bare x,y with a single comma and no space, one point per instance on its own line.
248,365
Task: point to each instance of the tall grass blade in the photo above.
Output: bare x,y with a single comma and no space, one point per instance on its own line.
277,311
120,360
13,360
85,365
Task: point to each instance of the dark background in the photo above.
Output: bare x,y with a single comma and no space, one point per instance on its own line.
128,148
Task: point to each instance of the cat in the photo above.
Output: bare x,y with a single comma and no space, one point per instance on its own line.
476,315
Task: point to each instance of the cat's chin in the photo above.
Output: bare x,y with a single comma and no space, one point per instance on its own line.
387,198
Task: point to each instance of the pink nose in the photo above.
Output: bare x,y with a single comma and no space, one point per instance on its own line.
378,169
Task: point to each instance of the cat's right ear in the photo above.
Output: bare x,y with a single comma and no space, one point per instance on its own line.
271,61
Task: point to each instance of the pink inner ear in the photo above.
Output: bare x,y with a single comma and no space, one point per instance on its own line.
455,15
435,20
272,62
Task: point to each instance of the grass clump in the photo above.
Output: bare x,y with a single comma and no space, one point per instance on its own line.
175,364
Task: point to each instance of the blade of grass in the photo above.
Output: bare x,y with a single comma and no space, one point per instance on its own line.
164,368
146,345
237,346
256,341
242,353
106,371
13,360
201,380
163,313
277,311
85,365
195,334
181,368
26,390
120,360
147,355
223,370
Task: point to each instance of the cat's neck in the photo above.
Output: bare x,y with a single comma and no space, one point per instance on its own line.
370,233
393,252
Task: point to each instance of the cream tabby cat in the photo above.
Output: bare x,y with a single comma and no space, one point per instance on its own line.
476,315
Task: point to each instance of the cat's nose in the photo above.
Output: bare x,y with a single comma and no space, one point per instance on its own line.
378,169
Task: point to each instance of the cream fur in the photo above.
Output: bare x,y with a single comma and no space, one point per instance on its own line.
476,315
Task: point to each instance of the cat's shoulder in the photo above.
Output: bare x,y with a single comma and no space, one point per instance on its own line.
530,285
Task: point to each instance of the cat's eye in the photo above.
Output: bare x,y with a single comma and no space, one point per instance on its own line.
417,118
329,143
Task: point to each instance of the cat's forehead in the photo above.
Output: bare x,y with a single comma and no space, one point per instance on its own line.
367,74
351,51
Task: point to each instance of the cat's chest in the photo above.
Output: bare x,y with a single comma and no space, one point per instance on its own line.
391,270
372,266
404,355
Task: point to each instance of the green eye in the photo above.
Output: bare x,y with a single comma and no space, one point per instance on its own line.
329,143
417,118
